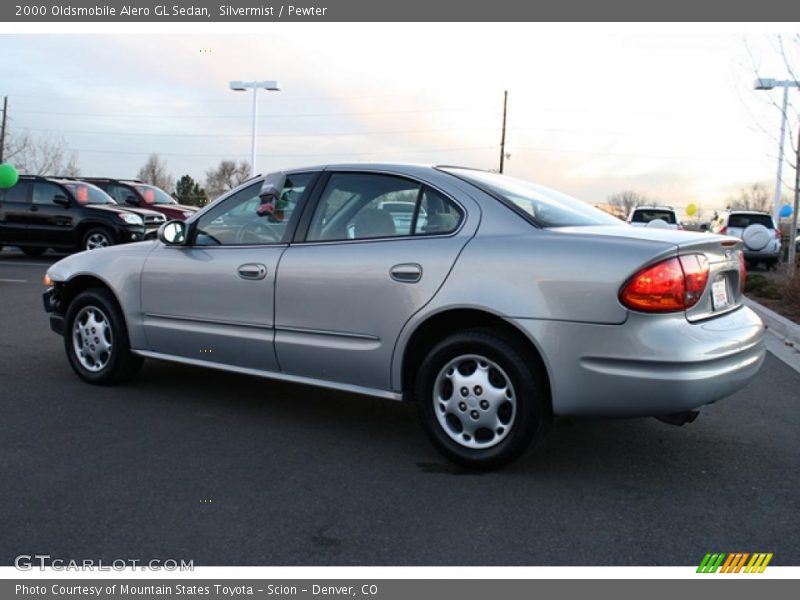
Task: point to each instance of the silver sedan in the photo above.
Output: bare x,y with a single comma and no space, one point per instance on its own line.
496,305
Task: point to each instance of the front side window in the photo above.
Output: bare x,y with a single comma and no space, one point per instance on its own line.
121,194
245,219
46,193
362,206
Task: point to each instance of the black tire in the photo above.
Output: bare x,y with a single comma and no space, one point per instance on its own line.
530,415
33,251
94,236
119,363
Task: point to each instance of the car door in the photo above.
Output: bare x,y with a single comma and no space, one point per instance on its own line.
14,211
212,300
52,216
347,288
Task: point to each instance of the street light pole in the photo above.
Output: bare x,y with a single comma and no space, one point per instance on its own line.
242,86
776,209
254,137
769,84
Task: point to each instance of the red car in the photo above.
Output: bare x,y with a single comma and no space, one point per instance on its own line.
132,192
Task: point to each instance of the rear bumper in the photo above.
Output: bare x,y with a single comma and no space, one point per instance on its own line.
650,365
761,254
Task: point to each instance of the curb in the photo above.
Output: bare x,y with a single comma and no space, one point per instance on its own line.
786,330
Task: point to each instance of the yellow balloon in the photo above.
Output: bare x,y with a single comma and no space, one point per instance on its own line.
691,209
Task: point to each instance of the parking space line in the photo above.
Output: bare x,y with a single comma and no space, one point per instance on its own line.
23,264
13,280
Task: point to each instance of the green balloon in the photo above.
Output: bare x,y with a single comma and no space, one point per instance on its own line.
8,176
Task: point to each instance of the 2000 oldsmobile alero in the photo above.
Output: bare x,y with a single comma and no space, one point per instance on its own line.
492,302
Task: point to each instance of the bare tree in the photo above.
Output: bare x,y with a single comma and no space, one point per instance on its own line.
752,197
154,172
46,154
627,200
226,176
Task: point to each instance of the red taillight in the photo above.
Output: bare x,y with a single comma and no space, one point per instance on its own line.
723,231
742,271
671,285
778,234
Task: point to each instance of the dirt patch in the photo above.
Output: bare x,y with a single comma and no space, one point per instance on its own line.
777,291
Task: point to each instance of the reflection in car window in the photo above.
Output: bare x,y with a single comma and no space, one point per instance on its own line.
544,207
245,219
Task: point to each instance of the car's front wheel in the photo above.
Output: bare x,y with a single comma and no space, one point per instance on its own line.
96,340
97,238
480,401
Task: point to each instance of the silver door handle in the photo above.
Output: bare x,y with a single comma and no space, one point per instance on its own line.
252,271
406,273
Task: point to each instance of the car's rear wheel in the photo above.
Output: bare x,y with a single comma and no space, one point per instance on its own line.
481,402
96,340
33,251
98,237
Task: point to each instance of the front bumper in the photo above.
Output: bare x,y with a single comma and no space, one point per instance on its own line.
51,304
650,365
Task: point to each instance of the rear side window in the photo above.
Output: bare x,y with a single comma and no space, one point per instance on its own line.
18,193
643,215
360,206
744,221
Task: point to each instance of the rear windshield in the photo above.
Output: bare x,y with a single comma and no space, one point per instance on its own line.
540,205
645,215
747,220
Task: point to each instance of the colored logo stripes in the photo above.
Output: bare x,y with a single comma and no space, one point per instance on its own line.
734,562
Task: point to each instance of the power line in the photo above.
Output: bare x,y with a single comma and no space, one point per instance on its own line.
282,154
267,135
267,116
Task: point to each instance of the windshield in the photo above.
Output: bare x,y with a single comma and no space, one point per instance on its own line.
86,193
154,195
541,205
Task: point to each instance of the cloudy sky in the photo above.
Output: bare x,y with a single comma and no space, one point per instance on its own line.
668,110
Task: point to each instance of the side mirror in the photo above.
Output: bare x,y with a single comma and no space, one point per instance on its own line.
131,199
172,233
61,200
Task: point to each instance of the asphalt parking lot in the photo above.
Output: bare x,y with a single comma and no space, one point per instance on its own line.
225,469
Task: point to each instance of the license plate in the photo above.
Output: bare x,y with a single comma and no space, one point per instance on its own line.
719,294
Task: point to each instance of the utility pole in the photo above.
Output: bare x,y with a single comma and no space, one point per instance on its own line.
3,130
793,230
503,135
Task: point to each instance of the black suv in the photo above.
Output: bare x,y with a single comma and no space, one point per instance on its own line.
65,214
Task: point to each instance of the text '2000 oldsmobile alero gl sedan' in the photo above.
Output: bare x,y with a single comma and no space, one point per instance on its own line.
494,303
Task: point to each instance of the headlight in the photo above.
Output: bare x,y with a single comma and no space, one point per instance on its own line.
187,214
131,219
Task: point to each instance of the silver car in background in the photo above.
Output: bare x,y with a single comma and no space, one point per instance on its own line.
507,304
